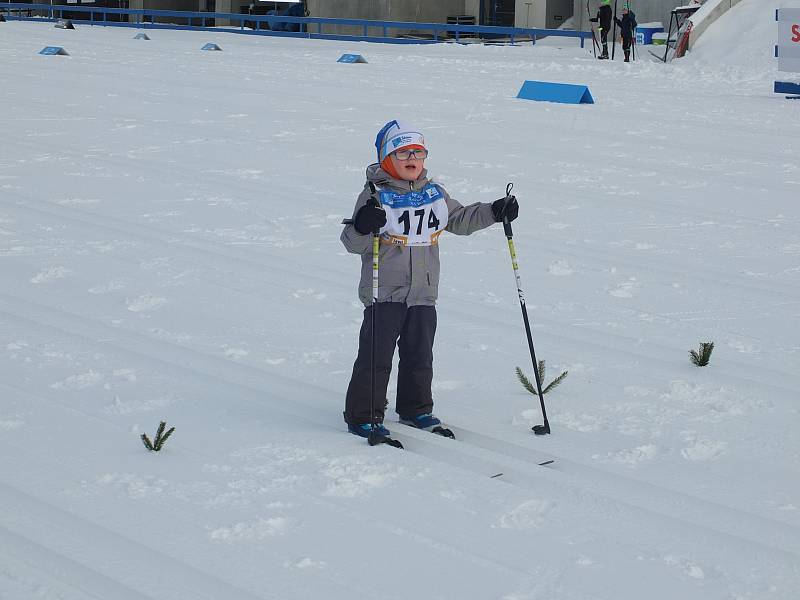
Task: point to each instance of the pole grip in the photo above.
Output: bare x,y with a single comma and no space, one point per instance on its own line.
374,196
507,229
506,222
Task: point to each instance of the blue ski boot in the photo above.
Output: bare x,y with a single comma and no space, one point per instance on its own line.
364,429
427,422
377,434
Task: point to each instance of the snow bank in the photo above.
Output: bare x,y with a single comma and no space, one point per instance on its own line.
707,15
742,38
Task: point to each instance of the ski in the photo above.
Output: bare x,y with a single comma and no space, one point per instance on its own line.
428,423
444,432
375,439
448,433
541,464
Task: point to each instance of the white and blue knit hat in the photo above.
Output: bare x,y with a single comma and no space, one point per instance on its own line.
396,135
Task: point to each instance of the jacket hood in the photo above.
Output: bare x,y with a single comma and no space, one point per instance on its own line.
380,177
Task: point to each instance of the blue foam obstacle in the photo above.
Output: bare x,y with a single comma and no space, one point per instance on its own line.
351,58
141,36
565,93
53,51
211,46
787,87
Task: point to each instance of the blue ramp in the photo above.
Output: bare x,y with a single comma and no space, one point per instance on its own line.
565,93
351,58
210,46
141,36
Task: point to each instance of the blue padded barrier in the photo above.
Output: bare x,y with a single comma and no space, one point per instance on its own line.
53,51
351,58
564,93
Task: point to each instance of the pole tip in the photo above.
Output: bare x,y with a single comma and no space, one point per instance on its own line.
541,429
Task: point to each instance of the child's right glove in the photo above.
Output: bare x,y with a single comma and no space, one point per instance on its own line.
368,219
505,208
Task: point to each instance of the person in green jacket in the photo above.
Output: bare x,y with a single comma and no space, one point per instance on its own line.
603,17
409,212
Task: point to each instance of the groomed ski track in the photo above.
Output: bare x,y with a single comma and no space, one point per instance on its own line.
633,502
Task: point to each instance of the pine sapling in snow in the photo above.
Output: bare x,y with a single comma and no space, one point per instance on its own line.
160,438
702,357
532,388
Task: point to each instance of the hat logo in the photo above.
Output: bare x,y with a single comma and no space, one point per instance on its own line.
403,139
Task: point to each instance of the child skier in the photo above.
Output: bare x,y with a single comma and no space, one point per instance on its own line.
604,18
413,213
627,29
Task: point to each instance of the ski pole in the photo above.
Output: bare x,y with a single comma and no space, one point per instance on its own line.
614,32
373,319
537,429
374,439
633,41
595,43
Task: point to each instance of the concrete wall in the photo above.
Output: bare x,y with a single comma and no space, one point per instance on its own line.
473,7
544,14
558,11
530,13
186,5
182,5
420,11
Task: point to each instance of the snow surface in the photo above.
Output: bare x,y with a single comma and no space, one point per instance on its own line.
169,223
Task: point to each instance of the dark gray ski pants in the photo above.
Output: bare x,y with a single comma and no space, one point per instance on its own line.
411,329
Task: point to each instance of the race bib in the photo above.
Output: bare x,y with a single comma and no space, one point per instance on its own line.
414,218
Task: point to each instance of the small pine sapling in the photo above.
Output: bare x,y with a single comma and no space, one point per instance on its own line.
532,388
160,438
702,357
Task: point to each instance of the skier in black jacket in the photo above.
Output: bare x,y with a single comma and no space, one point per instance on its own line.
604,18
627,29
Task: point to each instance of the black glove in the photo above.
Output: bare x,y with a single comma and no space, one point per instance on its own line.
502,209
368,219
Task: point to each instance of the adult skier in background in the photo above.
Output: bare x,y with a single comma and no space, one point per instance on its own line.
409,212
603,17
627,29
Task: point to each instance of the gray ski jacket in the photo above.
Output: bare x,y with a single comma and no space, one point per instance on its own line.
408,274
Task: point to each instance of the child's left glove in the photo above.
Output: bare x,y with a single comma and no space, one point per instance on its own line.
505,208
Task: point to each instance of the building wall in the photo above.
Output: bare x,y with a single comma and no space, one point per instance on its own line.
530,13
527,13
185,5
558,11
420,11
543,14
473,8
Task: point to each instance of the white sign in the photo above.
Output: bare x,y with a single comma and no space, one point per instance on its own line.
788,49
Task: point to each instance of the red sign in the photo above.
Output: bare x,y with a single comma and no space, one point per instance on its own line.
796,33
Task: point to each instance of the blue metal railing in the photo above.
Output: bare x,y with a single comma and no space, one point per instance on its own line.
263,24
